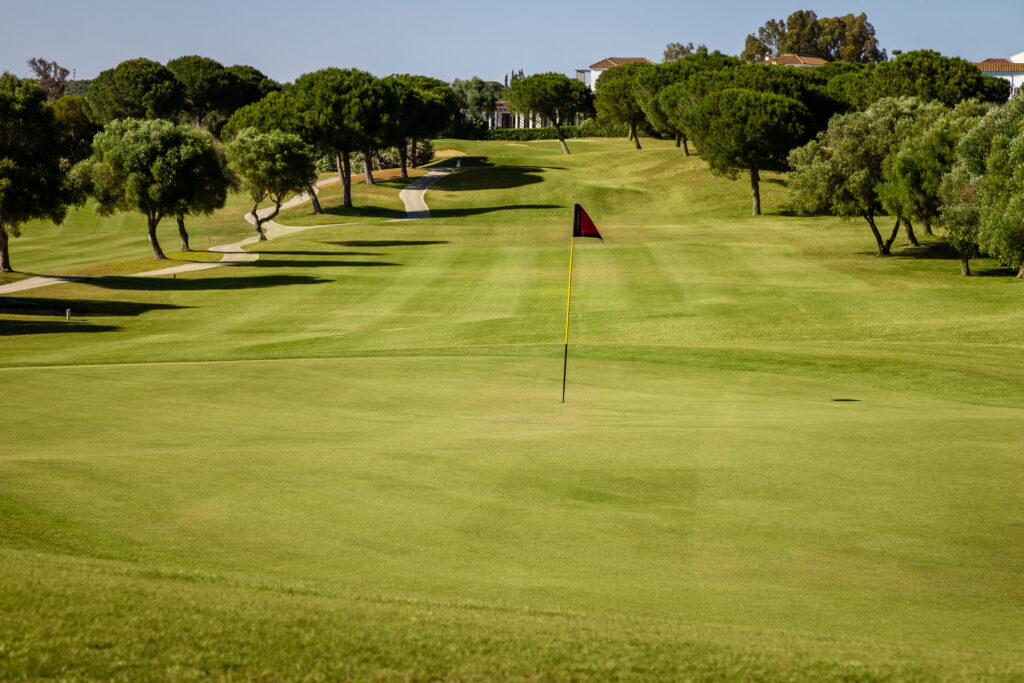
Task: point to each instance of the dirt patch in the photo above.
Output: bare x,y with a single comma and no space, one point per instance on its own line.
448,153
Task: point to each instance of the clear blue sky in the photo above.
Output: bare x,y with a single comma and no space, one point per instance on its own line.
456,38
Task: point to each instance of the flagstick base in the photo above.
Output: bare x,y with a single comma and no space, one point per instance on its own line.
565,364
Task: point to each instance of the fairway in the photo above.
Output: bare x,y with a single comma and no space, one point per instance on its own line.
780,457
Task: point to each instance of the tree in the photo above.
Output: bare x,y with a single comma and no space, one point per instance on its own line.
912,175
848,38
743,130
651,83
156,167
278,111
962,188
73,112
137,88
342,107
272,166
52,77
842,169
250,85
674,51
928,75
33,149
479,98
554,96
205,84
616,99
422,107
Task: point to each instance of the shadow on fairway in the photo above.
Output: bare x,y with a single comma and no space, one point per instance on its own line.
160,284
18,327
87,308
296,263
930,250
387,243
492,178
362,211
457,213
320,253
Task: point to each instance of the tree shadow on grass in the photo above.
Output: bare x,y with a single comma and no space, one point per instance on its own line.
458,213
166,284
320,253
492,178
387,243
930,250
997,271
90,308
362,212
20,327
297,263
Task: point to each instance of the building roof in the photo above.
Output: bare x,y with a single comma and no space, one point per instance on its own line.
798,60
1000,65
618,61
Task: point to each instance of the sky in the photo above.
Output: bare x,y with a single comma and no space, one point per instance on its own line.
450,39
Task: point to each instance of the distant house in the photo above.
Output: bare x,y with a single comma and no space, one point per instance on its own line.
1007,68
590,76
796,60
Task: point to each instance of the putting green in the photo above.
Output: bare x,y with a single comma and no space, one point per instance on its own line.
779,457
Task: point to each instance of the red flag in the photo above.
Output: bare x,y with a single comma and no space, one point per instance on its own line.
582,226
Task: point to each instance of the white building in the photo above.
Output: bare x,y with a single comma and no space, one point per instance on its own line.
590,76
1010,69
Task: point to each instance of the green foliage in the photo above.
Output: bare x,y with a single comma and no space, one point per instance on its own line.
847,38
34,148
599,127
204,84
842,170
674,51
554,96
137,88
272,165
157,168
744,130
477,96
542,133
73,112
913,172
615,97
250,85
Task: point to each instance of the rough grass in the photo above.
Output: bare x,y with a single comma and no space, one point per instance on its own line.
781,458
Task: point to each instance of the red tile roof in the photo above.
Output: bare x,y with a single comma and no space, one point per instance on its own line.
618,61
798,60
1000,66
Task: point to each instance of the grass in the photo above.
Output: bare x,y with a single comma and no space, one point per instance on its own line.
781,458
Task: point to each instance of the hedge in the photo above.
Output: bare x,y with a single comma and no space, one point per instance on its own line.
522,134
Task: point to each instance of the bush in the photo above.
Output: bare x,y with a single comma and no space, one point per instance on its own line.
523,134
600,127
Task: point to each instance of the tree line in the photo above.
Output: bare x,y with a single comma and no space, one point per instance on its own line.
172,140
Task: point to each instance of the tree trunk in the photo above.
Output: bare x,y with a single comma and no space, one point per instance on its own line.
882,249
928,227
561,140
311,191
403,156
152,222
368,166
686,146
892,238
755,185
412,149
183,232
5,255
965,267
260,221
911,237
632,133
1020,273
345,171
679,139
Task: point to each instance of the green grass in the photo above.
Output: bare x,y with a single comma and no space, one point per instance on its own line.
349,459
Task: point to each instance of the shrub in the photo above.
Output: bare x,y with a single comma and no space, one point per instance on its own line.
523,134
600,127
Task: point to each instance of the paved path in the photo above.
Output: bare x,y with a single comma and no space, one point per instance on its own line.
413,194
235,254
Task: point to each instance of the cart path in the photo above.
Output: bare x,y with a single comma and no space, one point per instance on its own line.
235,254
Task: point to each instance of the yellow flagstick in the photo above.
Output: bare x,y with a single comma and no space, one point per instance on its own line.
568,302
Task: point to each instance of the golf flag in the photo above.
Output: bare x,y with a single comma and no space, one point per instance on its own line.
582,226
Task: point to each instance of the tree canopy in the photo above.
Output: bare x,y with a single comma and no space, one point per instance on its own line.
272,165
33,149
674,51
847,38
744,130
552,95
137,88
52,77
615,97
155,167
